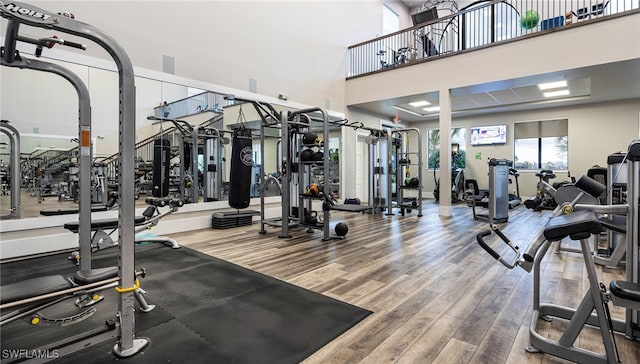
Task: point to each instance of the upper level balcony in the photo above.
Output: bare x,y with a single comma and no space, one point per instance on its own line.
480,25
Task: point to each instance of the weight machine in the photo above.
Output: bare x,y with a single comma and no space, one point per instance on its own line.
580,222
18,13
199,143
14,171
497,198
296,176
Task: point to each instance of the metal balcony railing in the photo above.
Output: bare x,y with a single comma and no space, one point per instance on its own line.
206,101
479,25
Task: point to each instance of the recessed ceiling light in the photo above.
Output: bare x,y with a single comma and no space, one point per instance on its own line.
419,103
556,93
432,109
551,85
406,110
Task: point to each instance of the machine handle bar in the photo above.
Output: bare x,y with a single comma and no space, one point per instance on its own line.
49,42
509,264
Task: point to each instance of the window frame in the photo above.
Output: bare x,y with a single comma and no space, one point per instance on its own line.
543,133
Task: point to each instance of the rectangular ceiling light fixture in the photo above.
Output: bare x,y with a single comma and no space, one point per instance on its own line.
432,109
552,85
406,110
419,103
556,93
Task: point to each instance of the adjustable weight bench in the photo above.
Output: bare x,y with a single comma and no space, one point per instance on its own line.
103,228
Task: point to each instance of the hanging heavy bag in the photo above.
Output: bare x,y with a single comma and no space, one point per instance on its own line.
161,160
240,175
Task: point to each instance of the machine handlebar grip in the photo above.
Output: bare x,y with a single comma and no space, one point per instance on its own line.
480,238
73,44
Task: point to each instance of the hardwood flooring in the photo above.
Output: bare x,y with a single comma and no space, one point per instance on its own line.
437,297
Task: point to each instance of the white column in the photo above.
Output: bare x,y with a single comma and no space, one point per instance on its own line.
445,153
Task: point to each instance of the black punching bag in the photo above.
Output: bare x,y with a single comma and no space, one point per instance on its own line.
240,175
161,160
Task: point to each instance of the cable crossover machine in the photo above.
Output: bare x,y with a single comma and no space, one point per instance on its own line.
50,289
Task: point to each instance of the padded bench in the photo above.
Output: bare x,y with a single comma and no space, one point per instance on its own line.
577,225
70,211
101,224
625,294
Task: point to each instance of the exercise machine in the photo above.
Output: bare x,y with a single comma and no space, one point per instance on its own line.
612,251
514,199
103,229
408,171
202,161
380,170
580,222
18,13
496,199
545,196
14,168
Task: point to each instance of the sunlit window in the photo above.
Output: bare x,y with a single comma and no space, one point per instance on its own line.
433,145
541,145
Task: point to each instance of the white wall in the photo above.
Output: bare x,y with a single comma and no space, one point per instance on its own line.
292,47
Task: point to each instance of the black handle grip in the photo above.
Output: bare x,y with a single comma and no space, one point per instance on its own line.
480,238
73,44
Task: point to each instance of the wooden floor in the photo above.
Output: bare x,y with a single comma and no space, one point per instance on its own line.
437,297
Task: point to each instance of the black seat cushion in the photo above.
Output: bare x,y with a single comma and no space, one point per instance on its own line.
101,224
578,225
33,287
625,289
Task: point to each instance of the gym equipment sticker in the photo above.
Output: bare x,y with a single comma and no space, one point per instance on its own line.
85,140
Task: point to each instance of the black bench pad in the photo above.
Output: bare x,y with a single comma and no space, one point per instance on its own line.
577,225
101,224
351,208
94,275
70,211
33,287
626,290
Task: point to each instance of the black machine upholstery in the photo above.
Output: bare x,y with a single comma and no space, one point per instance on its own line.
626,290
578,225
471,186
94,275
101,224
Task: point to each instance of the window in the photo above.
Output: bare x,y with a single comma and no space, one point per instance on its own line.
433,145
390,20
541,145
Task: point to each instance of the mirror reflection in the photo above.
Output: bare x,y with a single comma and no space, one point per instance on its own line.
182,145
